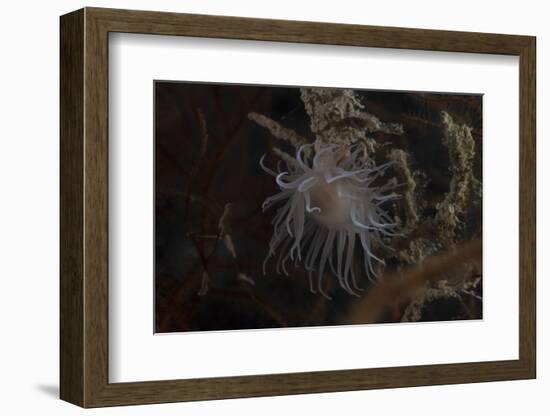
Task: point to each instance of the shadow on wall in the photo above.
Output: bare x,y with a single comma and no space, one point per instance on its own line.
48,389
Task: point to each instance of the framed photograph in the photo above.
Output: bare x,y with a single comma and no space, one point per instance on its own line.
256,207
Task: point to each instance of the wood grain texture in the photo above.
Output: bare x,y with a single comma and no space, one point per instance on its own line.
527,208
162,23
71,208
84,207
96,216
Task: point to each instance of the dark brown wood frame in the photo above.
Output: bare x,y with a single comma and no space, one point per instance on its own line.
84,212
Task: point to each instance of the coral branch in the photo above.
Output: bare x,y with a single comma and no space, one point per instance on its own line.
461,145
337,116
223,225
288,159
277,130
396,287
405,176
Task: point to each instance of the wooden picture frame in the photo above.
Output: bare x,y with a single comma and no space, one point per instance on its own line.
84,207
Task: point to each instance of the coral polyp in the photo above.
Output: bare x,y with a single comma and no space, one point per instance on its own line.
331,200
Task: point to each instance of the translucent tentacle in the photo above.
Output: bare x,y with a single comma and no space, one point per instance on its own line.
265,168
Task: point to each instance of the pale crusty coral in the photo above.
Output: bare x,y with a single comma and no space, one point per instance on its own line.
470,287
408,182
444,228
464,190
461,146
400,285
337,116
427,295
454,284
277,130
285,157
418,249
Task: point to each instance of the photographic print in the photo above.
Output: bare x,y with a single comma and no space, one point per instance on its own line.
281,206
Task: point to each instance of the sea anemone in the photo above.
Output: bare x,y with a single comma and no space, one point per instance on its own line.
331,196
